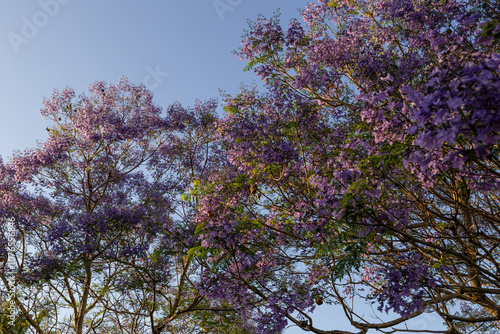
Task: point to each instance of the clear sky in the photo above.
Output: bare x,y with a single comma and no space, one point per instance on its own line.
181,49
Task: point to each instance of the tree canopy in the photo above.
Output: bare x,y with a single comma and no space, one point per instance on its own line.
367,171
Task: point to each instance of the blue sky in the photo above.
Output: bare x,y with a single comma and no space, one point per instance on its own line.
181,49
51,44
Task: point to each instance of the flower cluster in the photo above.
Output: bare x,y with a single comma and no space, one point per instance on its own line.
403,292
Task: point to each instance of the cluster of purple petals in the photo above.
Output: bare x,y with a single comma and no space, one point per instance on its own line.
404,287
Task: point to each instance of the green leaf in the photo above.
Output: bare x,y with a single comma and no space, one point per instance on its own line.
198,251
198,229
333,4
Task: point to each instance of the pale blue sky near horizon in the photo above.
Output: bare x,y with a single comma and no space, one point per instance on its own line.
180,49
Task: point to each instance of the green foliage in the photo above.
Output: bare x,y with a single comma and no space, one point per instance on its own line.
21,324
488,28
333,4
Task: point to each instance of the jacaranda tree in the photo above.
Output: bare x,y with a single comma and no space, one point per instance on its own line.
103,235
368,171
